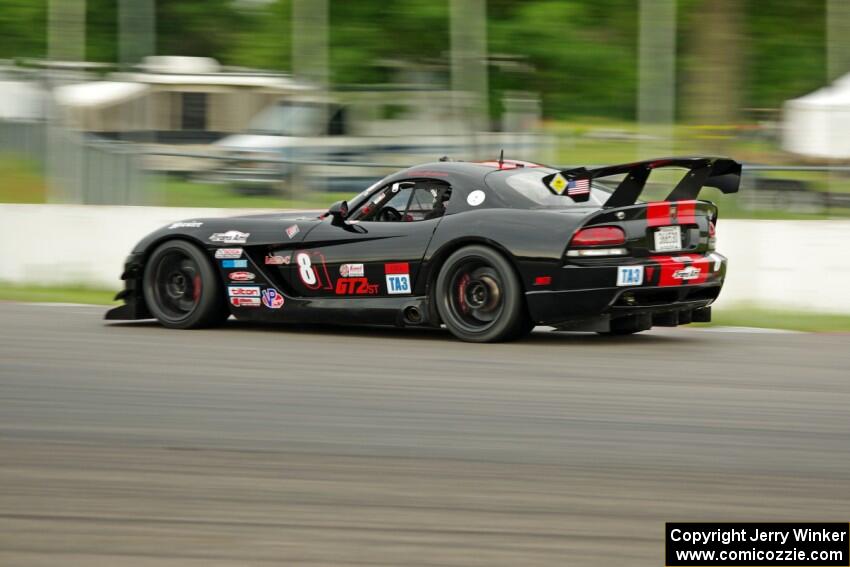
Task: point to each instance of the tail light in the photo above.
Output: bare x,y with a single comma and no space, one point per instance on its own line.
598,241
712,238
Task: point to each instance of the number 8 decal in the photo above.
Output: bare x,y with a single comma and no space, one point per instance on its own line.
306,270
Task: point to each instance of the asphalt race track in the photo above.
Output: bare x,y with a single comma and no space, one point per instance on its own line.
128,444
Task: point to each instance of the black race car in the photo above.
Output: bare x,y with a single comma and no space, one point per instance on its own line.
488,249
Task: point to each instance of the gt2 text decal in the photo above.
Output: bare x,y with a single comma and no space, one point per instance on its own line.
355,286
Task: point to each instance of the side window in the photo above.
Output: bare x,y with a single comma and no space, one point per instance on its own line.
406,201
426,202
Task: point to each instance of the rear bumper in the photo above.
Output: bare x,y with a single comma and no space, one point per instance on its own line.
591,291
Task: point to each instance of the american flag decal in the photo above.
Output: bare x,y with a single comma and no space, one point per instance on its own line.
578,187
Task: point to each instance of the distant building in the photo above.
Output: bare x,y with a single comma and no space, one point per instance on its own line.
173,100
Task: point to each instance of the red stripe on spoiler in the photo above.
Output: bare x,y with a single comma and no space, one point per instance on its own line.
396,268
687,212
658,214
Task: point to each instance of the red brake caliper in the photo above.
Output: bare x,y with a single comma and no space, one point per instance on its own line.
196,291
461,290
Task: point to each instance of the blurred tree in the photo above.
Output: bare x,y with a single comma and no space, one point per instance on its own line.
714,44
203,28
733,54
584,54
786,55
23,26
264,41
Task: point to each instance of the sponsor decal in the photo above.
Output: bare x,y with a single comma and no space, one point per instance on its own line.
231,237
243,291
629,275
244,302
292,231
272,298
398,277
696,270
558,184
475,198
241,276
234,263
276,260
351,270
355,286
186,224
228,253
681,259
689,273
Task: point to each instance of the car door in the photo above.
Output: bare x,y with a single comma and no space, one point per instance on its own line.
378,250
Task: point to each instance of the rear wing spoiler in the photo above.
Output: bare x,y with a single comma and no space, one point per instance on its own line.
722,173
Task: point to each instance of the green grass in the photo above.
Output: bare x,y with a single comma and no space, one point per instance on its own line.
781,319
23,181
68,294
733,317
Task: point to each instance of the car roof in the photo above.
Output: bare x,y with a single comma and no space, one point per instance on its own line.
464,177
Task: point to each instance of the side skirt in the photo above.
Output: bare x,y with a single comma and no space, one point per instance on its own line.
397,311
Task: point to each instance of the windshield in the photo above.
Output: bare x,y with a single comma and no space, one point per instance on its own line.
529,184
287,119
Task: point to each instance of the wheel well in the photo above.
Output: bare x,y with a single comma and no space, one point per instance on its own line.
140,296
440,257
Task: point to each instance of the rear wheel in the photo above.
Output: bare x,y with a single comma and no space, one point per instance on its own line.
181,288
479,296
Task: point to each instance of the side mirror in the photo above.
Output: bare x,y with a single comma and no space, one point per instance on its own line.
338,211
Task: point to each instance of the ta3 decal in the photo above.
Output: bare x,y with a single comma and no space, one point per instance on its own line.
398,277
629,275
292,231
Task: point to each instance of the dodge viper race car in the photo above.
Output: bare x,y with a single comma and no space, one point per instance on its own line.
488,249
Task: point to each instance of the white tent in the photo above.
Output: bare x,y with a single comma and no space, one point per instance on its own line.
818,124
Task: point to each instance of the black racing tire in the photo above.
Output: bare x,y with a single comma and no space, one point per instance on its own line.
479,296
181,288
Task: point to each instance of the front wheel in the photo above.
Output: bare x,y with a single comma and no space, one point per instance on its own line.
479,296
181,288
